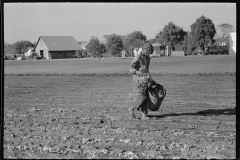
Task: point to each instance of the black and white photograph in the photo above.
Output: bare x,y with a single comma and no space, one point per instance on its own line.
119,80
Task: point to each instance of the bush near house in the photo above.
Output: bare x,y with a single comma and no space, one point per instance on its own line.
8,57
197,51
217,50
78,54
85,54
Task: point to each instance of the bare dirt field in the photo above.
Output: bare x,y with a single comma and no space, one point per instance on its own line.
75,115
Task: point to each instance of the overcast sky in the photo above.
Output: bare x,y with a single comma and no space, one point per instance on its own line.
28,21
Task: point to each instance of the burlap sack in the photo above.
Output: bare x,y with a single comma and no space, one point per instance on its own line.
156,94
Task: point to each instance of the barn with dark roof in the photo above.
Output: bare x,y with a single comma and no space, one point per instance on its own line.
56,47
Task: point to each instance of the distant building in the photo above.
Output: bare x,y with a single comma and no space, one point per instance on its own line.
83,44
29,51
183,49
124,54
55,47
232,43
86,47
158,49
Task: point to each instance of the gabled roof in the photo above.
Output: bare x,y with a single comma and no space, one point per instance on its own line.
156,44
60,43
83,44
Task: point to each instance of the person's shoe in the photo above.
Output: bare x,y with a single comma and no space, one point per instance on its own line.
131,111
132,116
144,117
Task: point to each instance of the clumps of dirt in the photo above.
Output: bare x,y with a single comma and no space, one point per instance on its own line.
86,117
78,133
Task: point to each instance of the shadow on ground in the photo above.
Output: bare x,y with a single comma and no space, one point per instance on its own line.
208,112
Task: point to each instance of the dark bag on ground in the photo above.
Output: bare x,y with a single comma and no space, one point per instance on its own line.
156,94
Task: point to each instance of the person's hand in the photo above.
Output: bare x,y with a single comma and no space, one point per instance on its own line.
138,73
151,81
143,69
145,53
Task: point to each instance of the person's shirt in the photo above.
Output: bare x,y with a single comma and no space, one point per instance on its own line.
138,61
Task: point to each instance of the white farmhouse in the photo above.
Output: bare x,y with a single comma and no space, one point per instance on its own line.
232,43
29,52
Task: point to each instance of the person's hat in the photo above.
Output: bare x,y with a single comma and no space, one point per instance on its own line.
147,46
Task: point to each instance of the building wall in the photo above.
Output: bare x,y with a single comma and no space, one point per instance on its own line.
177,53
52,54
88,47
156,50
46,54
42,46
167,51
61,54
179,47
232,43
185,47
188,45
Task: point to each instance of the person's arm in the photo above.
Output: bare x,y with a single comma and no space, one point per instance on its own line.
134,64
150,80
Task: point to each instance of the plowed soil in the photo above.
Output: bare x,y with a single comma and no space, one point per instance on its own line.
83,116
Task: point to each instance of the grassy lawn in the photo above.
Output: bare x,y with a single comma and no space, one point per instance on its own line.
189,64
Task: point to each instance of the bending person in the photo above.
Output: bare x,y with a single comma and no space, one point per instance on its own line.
141,79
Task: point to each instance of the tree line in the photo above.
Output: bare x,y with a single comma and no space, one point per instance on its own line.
203,34
19,47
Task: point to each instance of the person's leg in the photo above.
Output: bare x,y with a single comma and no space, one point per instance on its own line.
144,109
131,112
144,116
138,103
139,98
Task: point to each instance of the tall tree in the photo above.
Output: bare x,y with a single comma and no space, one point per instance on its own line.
159,38
171,35
35,43
135,39
78,53
9,49
93,47
125,42
96,48
153,40
100,50
223,31
21,46
114,44
202,33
